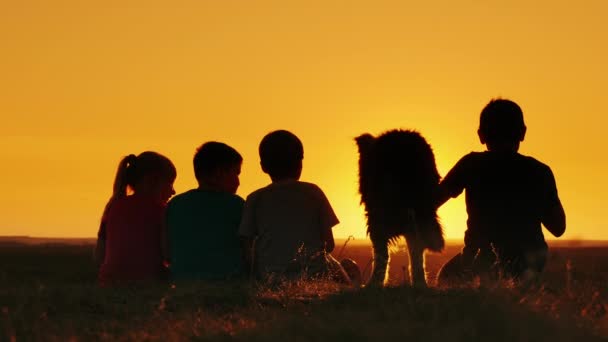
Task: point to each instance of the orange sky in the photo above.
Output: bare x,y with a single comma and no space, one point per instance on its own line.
83,83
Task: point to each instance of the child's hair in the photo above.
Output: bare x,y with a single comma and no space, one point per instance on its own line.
132,169
213,156
501,121
281,153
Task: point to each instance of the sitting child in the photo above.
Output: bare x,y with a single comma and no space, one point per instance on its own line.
508,196
202,223
290,221
129,244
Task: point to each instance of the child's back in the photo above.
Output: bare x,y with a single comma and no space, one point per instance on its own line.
130,238
202,223
508,197
202,230
132,235
289,221
288,218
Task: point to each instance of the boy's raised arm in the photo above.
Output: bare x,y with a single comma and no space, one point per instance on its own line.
453,183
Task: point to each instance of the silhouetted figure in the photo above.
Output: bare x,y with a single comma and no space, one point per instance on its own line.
289,220
203,223
398,183
508,196
130,239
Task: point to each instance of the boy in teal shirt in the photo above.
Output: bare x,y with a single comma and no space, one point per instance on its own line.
202,223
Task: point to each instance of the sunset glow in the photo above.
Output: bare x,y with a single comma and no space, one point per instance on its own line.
83,84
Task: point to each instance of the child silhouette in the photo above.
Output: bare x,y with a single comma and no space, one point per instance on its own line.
508,197
202,223
289,220
130,239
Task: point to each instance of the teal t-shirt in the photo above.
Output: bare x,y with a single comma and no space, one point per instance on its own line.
203,235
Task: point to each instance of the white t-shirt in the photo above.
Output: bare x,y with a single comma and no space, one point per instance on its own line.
287,217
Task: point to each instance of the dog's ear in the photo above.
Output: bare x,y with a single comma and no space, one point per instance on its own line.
364,142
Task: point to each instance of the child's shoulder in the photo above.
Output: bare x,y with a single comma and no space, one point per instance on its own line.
539,168
292,186
295,185
310,187
517,161
533,161
489,157
198,196
133,205
473,157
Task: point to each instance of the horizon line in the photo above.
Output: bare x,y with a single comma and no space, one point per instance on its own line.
574,242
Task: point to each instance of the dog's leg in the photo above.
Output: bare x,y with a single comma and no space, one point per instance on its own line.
415,247
381,258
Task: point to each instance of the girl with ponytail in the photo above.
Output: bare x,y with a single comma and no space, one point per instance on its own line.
130,239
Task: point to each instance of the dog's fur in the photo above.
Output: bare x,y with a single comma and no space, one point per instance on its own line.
398,181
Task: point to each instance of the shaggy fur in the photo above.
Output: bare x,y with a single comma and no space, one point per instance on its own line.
398,181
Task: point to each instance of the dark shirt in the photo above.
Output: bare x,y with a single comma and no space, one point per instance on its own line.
202,229
507,195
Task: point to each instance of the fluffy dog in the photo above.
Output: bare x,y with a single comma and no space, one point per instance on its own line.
398,182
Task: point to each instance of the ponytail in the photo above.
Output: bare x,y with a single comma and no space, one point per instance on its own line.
121,181
132,169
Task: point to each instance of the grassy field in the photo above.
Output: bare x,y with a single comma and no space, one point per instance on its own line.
48,293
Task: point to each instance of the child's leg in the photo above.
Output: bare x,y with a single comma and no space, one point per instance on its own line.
534,265
523,266
484,265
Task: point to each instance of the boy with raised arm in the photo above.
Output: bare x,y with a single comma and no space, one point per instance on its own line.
508,197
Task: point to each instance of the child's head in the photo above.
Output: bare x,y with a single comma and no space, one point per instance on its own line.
281,154
501,125
148,173
217,167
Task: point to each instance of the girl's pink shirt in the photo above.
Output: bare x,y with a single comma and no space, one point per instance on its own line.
133,240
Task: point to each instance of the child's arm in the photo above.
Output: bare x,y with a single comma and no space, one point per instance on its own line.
327,220
247,232
100,246
453,183
164,234
327,236
164,242
442,196
553,215
247,244
554,220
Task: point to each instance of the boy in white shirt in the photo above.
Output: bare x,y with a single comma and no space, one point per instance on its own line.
289,222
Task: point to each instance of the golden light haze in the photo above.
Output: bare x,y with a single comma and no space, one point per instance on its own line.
84,83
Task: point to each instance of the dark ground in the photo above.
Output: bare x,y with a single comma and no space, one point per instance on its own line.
48,292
